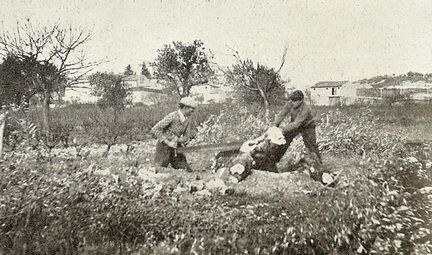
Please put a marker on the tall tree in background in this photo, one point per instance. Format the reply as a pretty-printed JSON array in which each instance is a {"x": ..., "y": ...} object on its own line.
[
  {"x": 111, "y": 90},
  {"x": 145, "y": 71},
  {"x": 50, "y": 58},
  {"x": 181, "y": 66},
  {"x": 256, "y": 82},
  {"x": 128, "y": 70},
  {"x": 113, "y": 96},
  {"x": 14, "y": 89}
]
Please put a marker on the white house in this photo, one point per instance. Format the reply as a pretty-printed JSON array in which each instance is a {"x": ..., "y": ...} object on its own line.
[
  {"x": 326, "y": 92},
  {"x": 149, "y": 91},
  {"x": 144, "y": 90},
  {"x": 337, "y": 93},
  {"x": 349, "y": 93},
  {"x": 211, "y": 93}
]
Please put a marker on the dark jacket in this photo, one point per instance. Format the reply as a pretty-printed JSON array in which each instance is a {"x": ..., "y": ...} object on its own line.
[{"x": 301, "y": 117}]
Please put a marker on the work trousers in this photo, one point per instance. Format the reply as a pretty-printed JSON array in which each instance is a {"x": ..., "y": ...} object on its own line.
[{"x": 166, "y": 155}]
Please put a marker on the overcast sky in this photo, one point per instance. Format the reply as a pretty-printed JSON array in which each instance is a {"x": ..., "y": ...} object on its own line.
[{"x": 326, "y": 40}]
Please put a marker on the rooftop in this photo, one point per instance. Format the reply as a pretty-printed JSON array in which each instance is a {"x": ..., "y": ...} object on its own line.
[{"x": 328, "y": 84}]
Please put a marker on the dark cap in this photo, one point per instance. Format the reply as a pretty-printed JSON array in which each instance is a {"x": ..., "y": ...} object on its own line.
[{"x": 297, "y": 95}]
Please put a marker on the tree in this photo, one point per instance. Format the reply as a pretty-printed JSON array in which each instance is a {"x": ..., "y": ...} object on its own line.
[
  {"x": 16, "y": 83},
  {"x": 114, "y": 96},
  {"x": 145, "y": 71},
  {"x": 181, "y": 66},
  {"x": 111, "y": 90},
  {"x": 49, "y": 59},
  {"x": 128, "y": 70},
  {"x": 256, "y": 82},
  {"x": 13, "y": 86}
]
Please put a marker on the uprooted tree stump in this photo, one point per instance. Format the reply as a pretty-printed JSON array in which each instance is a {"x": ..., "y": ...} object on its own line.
[
  {"x": 253, "y": 154},
  {"x": 258, "y": 154}
]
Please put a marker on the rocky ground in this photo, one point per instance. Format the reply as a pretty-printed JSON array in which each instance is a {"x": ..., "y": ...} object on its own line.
[{"x": 203, "y": 181}]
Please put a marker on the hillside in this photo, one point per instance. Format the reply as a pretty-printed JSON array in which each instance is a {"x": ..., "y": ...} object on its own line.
[{"x": 388, "y": 81}]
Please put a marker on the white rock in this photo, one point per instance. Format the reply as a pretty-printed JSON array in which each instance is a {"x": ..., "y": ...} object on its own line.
[
  {"x": 203, "y": 192},
  {"x": 425, "y": 190},
  {"x": 196, "y": 186},
  {"x": 179, "y": 190},
  {"x": 327, "y": 178},
  {"x": 233, "y": 179},
  {"x": 216, "y": 184},
  {"x": 412, "y": 159},
  {"x": 102, "y": 172},
  {"x": 237, "y": 169}
]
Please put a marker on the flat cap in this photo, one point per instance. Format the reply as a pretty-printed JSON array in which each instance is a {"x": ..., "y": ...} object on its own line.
[
  {"x": 188, "y": 101},
  {"x": 297, "y": 95}
]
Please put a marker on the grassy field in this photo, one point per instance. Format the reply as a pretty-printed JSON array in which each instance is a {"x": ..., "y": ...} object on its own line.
[{"x": 75, "y": 201}]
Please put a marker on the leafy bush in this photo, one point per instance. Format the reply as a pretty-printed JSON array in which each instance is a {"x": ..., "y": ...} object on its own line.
[
  {"x": 235, "y": 122},
  {"x": 345, "y": 134}
]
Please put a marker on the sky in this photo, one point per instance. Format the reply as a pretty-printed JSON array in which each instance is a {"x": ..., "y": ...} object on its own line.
[{"x": 325, "y": 40}]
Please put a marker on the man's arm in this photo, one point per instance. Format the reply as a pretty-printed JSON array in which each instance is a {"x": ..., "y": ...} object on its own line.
[
  {"x": 303, "y": 117},
  {"x": 158, "y": 130},
  {"x": 189, "y": 134},
  {"x": 282, "y": 114}
]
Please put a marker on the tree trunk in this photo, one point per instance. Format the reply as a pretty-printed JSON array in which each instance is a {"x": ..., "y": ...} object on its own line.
[
  {"x": 105, "y": 153},
  {"x": 266, "y": 105},
  {"x": 186, "y": 89},
  {"x": 2, "y": 127},
  {"x": 259, "y": 158},
  {"x": 46, "y": 116}
]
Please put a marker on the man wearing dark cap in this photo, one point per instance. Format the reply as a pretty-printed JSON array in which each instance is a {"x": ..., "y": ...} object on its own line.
[
  {"x": 301, "y": 122},
  {"x": 173, "y": 131}
]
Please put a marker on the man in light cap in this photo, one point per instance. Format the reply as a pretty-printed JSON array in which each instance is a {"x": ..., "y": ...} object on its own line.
[
  {"x": 173, "y": 131},
  {"x": 301, "y": 122}
]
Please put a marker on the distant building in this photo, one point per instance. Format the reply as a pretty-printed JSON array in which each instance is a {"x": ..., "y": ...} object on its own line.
[
  {"x": 149, "y": 91},
  {"x": 211, "y": 93},
  {"x": 348, "y": 93},
  {"x": 144, "y": 90},
  {"x": 420, "y": 91},
  {"x": 326, "y": 92}
]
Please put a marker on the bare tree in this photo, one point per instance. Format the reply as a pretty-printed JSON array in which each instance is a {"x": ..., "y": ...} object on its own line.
[
  {"x": 53, "y": 56},
  {"x": 258, "y": 80}
]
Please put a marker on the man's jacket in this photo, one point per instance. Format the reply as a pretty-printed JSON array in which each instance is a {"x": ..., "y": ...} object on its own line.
[
  {"x": 301, "y": 117},
  {"x": 172, "y": 127}
]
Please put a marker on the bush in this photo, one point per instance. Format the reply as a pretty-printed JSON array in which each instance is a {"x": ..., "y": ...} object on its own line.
[
  {"x": 236, "y": 122},
  {"x": 345, "y": 134}
]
